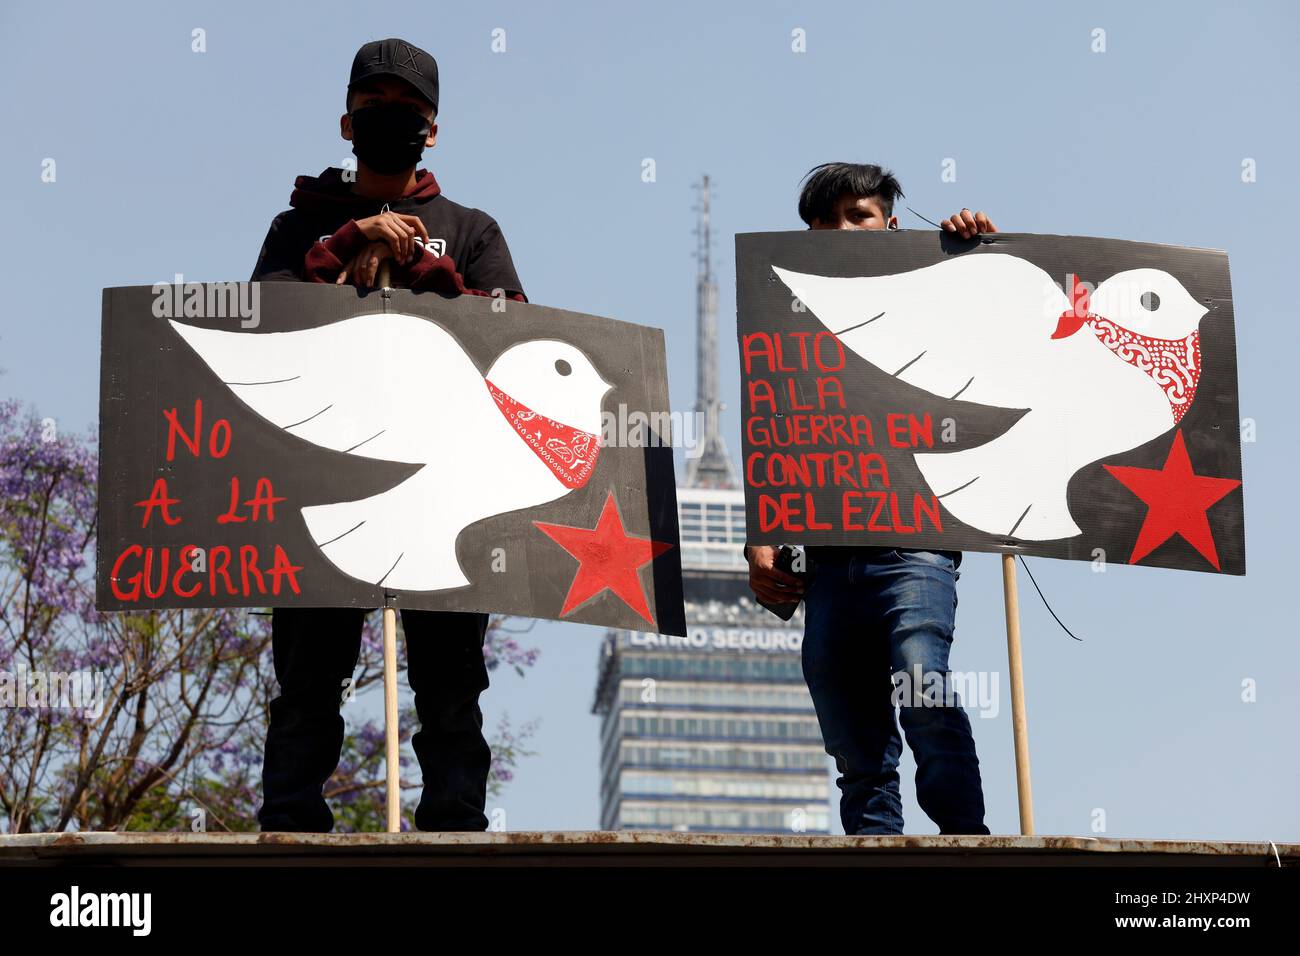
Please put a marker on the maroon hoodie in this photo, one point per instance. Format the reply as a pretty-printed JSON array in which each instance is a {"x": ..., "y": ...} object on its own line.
[{"x": 318, "y": 236}]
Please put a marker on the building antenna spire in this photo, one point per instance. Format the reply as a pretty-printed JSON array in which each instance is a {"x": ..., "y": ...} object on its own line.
[{"x": 709, "y": 464}]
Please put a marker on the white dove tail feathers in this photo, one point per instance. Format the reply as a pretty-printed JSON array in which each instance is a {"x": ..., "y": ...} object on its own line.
[
  {"x": 404, "y": 539},
  {"x": 359, "y": 539},
  {"x": 990, "y": 488},
  {"x": 372, "y": 539}
]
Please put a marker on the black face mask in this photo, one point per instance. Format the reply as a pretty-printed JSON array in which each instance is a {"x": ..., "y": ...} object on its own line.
[{"x": 389, "y": 138}]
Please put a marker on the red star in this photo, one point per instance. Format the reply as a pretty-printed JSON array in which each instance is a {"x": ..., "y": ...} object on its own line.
[
  {"x": 1177, "y": 499},
  {"x": 607, "y": 558}
]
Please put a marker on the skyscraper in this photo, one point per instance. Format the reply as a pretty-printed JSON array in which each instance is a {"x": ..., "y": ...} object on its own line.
[{"x": 714, "y": 731}]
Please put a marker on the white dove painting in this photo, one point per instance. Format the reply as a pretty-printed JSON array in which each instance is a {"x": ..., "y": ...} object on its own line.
[
  {"x": 400, "y": 388},
  {"x": 1096, "y": 374}
]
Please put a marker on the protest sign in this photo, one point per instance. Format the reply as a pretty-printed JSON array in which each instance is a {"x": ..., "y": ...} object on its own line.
[
  {"x": 1053, "y": 395},
  {"x": 269, "y": 444}
]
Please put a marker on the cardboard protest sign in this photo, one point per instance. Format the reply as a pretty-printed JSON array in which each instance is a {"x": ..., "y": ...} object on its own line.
[
  {"x": 290, "y": 443},
  {"x": 1053, "y": 395}
]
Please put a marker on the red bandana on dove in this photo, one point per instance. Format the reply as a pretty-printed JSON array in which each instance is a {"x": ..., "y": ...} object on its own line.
[
  {"x": 569, "y": 452},
  {"x": 1173, "y": 364}
]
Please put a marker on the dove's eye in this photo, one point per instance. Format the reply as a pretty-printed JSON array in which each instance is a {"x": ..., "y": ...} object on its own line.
[
  {"x": 563, "y": 367},
  {"x": 1150, "y": 301}
]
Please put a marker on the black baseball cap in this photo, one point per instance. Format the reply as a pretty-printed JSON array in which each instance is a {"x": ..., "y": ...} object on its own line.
[{"x": 394, "y": 57}]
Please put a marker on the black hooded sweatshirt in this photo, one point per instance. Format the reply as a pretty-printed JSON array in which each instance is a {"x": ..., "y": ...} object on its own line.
[{"x": 318, "y": 236}]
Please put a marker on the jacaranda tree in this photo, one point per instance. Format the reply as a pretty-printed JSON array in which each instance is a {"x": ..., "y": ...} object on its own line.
[{"x": 154, "y": 720}]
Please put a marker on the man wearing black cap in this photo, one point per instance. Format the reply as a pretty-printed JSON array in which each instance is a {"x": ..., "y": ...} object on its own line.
[{"x": 339, "y": 229}]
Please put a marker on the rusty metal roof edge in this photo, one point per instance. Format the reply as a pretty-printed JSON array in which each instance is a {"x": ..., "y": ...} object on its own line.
[{"x": 39, "y": 844}]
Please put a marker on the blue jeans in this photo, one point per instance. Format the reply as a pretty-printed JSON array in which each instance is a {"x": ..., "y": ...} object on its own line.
[{"x": 872, "y": 614}]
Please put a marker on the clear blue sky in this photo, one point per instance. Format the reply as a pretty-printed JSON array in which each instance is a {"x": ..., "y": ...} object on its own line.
[{"x": 172, "y": 161}]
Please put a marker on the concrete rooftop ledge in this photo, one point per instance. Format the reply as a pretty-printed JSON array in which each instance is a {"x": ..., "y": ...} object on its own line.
[{"x": 620, "y": 848}]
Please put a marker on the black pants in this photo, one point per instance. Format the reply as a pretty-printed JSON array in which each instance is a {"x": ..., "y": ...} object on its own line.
[{"x": 315, "y": 650}]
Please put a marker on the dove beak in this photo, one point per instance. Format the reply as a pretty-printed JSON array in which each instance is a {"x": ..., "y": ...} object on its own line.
[
  {"x": 1073, "y": 318},
  {"x": 1068, "y": 324}
]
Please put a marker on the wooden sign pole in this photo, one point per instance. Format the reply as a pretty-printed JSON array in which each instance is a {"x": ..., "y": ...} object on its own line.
[
  {"x": 394, "y": 785},
  {"x": 1019, "y": 720},
  {"x": 392, "y": 749}
]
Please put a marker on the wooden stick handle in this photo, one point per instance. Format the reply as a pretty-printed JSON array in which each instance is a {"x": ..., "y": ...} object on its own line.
[
  {"x": 1019, "y": 720},
  {"x": 394, "y": 784}
]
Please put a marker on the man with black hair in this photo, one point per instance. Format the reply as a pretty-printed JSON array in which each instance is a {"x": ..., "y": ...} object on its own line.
[
  {"x": 875, "y": 614},
  {"x": 340, "y": 229},
  {"x": 862, "y": 196}
]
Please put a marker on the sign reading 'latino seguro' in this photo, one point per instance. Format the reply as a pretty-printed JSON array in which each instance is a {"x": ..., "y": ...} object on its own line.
[
  {"x": 1060, "y": 396},
  {"x": 337, "y": 448}
]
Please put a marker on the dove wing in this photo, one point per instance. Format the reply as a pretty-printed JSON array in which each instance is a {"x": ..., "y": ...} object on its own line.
[
  {"x": 969, "y": 327},
  {"x": 369, "y": 386}
]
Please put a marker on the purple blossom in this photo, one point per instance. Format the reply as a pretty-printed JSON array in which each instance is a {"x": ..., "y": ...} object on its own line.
[{"x": 187, "y": 692}]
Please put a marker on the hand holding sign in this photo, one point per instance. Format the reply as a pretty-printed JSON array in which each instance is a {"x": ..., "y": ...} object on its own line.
[{"x": 396, "y": 229}]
